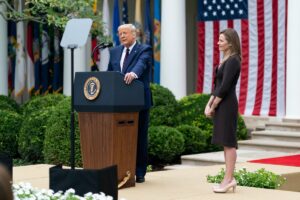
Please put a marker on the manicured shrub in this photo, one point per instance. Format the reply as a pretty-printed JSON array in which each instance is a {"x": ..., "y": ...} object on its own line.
[
  {"x": 41, "y": 102},
  {"x": 36, "y": 113},
  {"x": 165, "y": 144},
  {"x": 164, "y": 115},
  {"x": 241, "y": 129},
  {"x": 32, "y": 134},
  {"x": 162, "y": 96},
  {"x": 165, "y": 107},
  {"x": 6, "y": 103},
  {"x": 10, "y": 123},
  {"x": 194, "y": 139},
  {"x": 191, "y": 107},
  {"x": 57, "y": 136}
]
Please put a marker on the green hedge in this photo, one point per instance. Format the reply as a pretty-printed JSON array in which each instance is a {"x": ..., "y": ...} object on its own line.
[
  {"x": 32, "y": 133},
  {"x": 57, "y": 136},
  {"x": 194, "y": 139},
  {"x": 165, "y": 107},
  {"x": 6, "y": 103},
  {"x": 191, "y": 107},
  {"x": 10, "y": 123},
  {"x": 162, "y": 96},
  {"x": 165, "y": 144},
  {"x": 41, "y": 102}
]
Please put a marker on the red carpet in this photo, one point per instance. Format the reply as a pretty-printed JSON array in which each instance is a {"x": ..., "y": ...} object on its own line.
[{"x": 293, "y": 160}]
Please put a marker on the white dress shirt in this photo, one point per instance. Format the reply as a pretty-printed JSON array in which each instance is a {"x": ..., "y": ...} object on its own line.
[
  {"x": 123, "y": 57},
  {"x": 124, "y": 53}
]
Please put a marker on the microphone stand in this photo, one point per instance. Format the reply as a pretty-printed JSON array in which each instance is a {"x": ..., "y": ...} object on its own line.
[{"x": 99, "y": 46}]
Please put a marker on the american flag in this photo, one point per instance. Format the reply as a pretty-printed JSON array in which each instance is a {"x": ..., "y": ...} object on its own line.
[{"x": 261, "y": 25}]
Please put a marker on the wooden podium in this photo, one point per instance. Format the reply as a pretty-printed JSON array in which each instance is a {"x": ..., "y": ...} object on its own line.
[{"x": 108, "y": 121}]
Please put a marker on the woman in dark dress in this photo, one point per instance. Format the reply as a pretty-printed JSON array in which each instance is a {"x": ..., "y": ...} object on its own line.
[{"x": 223, "y": 105}]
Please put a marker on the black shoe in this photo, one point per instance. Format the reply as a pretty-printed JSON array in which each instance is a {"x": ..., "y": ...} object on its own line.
[{"x": 140, "y": 179}]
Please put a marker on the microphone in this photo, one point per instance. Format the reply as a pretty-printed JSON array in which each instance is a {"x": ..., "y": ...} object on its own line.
[
  {"x": 105, "y": 45},
  {"x": 102, "y": 45}
]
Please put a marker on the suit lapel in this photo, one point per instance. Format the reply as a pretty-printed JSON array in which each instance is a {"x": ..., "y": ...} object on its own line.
[
  {"x": 130, "y": 58},
  {"x": 119, "y": 56}
]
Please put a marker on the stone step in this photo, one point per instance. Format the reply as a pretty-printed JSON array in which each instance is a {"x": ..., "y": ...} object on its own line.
[
  {"x": 283, "y": 126},
  {"x": 213, "y": 158},
  {"x": 267, "y": 145},
  {"x": 275, "y": 135},
  {"x": 291, "y": 120}
]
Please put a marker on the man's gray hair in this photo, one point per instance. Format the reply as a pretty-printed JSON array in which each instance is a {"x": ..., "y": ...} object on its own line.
[{"x": 130, "y": 26}]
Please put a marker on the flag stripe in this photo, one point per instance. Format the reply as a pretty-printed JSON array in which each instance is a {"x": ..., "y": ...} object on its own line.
[
  {"x": 237, "y": 26},
  {"x": 230, "y": 23},
  {"x": 116, "y": 23},
  {"x": 30, "y": 59},
  {"x": 156, "y": 38},
  {"x": 20, "y": 68},
  {"x": 201, "y": 36},
  {"x": 216, "y": 54},
  {"x": 261, "y": 60},
  {"x": 223, "y": 25},
  {"x": 208, "y": 60},
  {"x": 253, "y": 49},
  {"x": 244, "y": 66},
  {"x": 281, "y": 60},
  {"x": 273, "y": 103},
  {"x": 267, "y": 81}
]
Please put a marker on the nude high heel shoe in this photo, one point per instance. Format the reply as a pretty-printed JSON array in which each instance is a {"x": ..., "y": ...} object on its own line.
[{"x": 226, "y": 188}]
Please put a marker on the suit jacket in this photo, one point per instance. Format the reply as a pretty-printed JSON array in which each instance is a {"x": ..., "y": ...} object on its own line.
[{"x": 139, "y": 61}]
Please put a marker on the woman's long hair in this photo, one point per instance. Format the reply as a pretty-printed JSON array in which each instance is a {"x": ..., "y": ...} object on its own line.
[{"x": 233, "y": 39}]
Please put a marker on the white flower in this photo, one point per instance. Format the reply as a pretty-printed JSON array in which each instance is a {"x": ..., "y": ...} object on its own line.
[{"x": 24, "y": 191}]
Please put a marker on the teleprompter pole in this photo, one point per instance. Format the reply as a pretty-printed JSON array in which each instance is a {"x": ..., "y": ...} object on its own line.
[{"x": 72, "y": 129}]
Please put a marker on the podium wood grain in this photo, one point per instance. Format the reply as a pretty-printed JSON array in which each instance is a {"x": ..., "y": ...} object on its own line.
[{"x": 109, "y": 139}]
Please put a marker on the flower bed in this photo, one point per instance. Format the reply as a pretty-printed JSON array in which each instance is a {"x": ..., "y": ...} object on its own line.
[{"x": 24, "y": 191}]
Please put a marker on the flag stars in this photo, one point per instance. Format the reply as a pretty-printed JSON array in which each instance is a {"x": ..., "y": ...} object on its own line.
[{"x": 223, "y": 9}]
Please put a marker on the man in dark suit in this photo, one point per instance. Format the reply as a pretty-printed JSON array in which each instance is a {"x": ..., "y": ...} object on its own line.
[{"x": 134, "y": 61}]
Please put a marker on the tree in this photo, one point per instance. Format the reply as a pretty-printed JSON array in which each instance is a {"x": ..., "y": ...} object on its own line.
[{"x": 56, "y": 13}]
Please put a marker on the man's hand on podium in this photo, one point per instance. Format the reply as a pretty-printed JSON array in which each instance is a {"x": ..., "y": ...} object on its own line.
[{"x": 129, "y": 77}]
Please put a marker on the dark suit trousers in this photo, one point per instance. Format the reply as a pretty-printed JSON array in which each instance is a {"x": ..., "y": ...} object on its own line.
[{"x": 142, "y": 145}]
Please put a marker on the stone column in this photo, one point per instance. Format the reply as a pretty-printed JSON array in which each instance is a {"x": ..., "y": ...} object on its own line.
[
  {"x": 173, "y": 47},
  {"x": 293, "y": 61}
]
